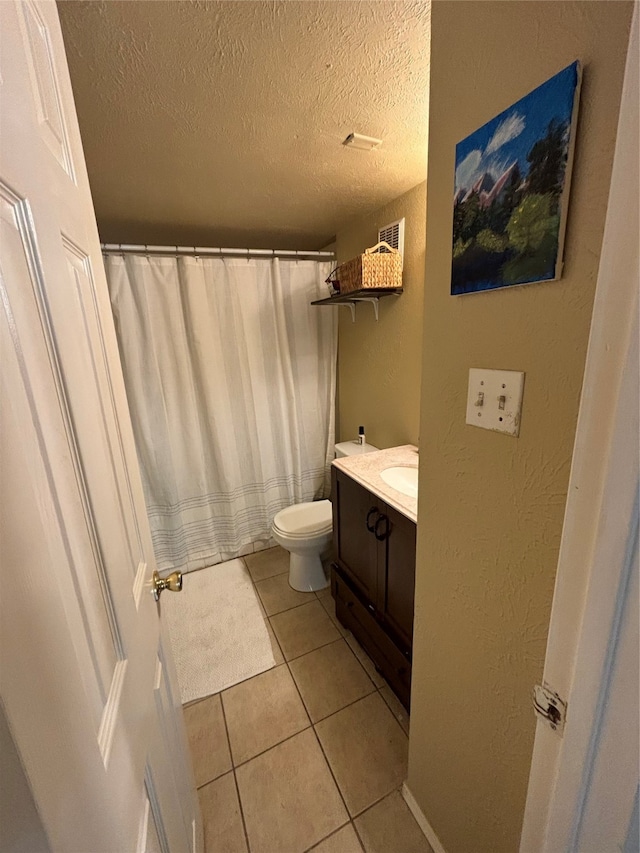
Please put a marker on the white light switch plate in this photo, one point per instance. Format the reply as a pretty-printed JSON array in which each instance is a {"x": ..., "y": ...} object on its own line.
[{"x": 494, "y": 400}]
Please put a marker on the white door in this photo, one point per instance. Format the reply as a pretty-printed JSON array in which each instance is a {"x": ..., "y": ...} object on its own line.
[
  {"x": 583, "y": 787},
  {"x": 86, "y": 678}
]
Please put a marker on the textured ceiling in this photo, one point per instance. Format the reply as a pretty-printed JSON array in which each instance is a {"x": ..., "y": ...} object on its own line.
[{"x": 220, "y": 123}]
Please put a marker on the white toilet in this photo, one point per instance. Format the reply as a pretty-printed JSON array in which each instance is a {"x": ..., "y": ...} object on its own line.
[{"x": 306, "y": 529}]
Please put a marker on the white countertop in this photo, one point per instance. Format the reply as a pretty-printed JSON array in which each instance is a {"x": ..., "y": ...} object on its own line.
[{"x": 365, "y": 469}]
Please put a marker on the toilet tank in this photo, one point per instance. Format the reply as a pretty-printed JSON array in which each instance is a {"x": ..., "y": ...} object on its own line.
[{"x": 353, "y": 448}]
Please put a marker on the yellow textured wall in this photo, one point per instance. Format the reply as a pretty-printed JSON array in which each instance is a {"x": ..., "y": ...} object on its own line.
[
  {"x": 379, "y": 364},
  {"x": 491, "y": 506}
]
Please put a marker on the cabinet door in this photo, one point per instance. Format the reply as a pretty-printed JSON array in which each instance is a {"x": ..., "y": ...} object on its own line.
[
  {"x": 354, "y": 544},
  {"x": 396, "y": 574}
]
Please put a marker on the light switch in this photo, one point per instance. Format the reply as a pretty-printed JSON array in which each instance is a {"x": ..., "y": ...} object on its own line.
[{"x": 494, "y": 400}]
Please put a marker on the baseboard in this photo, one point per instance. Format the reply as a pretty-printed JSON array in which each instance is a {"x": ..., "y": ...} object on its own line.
[{"x": 421, "y": 820}]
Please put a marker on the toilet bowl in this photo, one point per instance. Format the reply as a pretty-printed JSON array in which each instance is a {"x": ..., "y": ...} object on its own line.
[{"x": 306, "y": 530}]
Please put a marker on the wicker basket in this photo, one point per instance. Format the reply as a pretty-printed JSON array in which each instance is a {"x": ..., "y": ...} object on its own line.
[{"x": 374, "y": 269}]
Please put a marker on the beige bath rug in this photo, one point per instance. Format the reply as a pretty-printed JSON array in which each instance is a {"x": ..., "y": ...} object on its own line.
[{"x": 218, "y": 634}]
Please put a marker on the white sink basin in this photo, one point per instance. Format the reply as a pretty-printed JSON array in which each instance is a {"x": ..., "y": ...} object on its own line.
[{"x": 403, "y": 478}]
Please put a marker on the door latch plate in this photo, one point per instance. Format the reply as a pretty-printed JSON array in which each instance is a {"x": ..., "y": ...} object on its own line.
[{"x": 550, "y": 707}]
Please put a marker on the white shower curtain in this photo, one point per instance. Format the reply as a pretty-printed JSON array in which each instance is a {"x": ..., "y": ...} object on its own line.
[{"x": 230, "y": 375}]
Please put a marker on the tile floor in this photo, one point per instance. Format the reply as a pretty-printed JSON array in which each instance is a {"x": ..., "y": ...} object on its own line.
[{"x": 311, "y": 754}]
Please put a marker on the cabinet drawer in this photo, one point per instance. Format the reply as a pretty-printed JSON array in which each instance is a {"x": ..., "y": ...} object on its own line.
[{"x": 395, "y": 667}]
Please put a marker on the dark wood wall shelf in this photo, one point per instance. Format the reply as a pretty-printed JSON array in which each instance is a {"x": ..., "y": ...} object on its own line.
[{"x": 350, "y": 300}]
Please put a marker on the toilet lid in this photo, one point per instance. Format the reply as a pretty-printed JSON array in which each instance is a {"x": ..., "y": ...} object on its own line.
[{"x": 303, "y": 519}]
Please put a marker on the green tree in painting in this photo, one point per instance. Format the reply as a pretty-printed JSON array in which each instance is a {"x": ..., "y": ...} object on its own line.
[
  {"x": 513, "y": 189},
  {"x": 530, "y": 222},
  {"x": 548, "y": 158},
  {"x": 458, "y": 220},
  {"x": 490, "y": 241},
  {"x": 473, "y": 217},
  {"x": 500, "y": 211}
]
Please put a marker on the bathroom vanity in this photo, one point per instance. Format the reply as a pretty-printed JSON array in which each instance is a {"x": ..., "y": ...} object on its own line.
[{"x": 374, "y": 553}]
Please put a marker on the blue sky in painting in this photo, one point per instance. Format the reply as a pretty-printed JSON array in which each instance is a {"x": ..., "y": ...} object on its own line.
[{"x": 511, "y": 135}]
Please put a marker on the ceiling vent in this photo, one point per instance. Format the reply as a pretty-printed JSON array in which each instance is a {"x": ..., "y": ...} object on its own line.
[
  {"x": 364, "y": 143},
  {"x": 393, "y": 234}
]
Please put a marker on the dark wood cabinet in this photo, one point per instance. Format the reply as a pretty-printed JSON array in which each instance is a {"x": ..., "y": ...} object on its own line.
[
  {"x": 373, "y": 577},
  {"x": 397, "y": 576}
]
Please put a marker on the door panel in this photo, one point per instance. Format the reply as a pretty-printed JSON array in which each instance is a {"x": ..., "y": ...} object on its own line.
[
  {"x": 93, "y": 630},
  {"x": 46, "y": 95},
  {"x": 397, "y": 565},
  {"x": 355, "y": 545},
  {"x": 84, "y": 364},
  {"x": 85, "y": 678},
  {"x": 33, "y": 651},
  {"x": 607, "y": 810},
  {"x": 149, "y": 837}
]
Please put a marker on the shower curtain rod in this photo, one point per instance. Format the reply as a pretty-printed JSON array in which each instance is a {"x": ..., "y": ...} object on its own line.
[{"x": 200, "y": 251}]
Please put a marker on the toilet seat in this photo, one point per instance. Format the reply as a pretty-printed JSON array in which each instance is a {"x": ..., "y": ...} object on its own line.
[{"x": 301, "y": 521}]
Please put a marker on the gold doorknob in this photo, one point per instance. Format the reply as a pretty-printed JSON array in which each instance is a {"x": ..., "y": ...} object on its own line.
[{"x": 173, "y": 582}]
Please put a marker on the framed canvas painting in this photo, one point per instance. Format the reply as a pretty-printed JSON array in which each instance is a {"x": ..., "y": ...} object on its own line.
[{"x": 512, "y": 189}]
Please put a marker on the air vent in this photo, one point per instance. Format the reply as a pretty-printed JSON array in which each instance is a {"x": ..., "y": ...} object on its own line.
[
  {"x": 364, "y": 143},
  {"x": 393, "y": 234}
]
